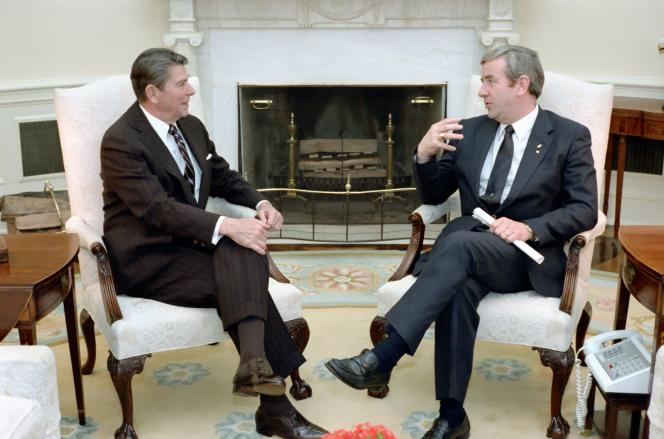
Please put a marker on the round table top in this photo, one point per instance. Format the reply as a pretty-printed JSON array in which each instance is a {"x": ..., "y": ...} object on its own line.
[
  {"x": 34, "y": 257},
  {"x": 645, "y": 244}
]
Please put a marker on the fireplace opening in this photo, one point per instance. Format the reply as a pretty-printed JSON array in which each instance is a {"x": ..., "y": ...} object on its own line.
[
  {"x": 337, "y": 156},
  {"x": 339, "y": 131}
]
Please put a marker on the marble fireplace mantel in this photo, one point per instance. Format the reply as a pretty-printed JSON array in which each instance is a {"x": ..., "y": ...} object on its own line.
[{"x": 331, "y": 42}]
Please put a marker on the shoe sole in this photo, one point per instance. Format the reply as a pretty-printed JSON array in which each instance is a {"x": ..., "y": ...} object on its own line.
[{"x": 260, "y": 389}]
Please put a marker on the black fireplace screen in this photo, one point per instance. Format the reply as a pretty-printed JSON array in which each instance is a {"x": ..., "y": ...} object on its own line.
[{"x": 312, "y": 141}]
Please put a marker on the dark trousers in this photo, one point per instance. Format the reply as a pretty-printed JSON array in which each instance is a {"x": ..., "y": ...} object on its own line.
[
  {"x": 460, "y": 271},
  {"x": 232, "y": 279}
]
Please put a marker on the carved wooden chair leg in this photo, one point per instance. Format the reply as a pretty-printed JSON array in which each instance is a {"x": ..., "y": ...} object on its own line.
[
  {"x": 122, "y": 371},
  {"x": 377, "y": 333},
  {"x": 561, "y": 364},
  {"x": 299, "y": 330},
  {"x": 88, "y": 329}
]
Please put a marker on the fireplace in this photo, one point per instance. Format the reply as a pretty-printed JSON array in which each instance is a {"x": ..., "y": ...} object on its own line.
[
  {"x": 333, "y": 53},
  {"x": 336, "y": 160},
  {"x": 320, "y": 137}
]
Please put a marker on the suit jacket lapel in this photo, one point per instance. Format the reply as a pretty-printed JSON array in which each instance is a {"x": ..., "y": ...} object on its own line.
[
  {"x": 162, "y": 155},
  {"x": 485, "y": 135},
  {"x": 538, "y": 146}
]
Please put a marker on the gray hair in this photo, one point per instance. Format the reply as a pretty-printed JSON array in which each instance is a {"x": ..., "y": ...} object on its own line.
[
  {"x": 519, "y": 61},
  {"x": 151, "y": 67}
]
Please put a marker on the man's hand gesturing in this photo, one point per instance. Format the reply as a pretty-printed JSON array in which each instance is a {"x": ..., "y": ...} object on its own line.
[{"x": 437, "y": 137}]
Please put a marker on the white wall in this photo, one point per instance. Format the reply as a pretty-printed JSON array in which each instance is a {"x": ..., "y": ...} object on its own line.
[
  {"x": 76, "y": 38},
  {"x": 59, "y": 43},
  {"x": 596, "y": 39}
]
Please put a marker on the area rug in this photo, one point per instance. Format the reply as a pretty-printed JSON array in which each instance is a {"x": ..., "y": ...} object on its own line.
[{"x": 187, "y": 393}]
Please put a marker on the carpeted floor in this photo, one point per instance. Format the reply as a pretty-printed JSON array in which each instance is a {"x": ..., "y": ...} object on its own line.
[{"x": 187, "y": 393}]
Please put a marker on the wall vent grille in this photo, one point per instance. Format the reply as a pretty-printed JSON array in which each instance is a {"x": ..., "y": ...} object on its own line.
[{"x": 40, "y": 148}]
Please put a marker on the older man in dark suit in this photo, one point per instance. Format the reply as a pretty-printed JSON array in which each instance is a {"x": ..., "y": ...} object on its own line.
[
  {"x": 159, "y": 167},
  {"x": 531, "y": 169}
]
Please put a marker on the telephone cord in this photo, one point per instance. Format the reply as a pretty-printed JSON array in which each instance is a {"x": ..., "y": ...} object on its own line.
[{"x": 582, "y": 392}]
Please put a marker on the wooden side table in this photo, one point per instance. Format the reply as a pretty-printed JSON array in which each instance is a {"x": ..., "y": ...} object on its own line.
[
  {"x": 630, "y": 117},
  {"x": 38, "y": 276},
  {"x": 642, "y": 276}
]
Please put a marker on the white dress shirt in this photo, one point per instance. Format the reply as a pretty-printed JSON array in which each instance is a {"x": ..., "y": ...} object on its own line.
[{"x": 522, "y": 130}]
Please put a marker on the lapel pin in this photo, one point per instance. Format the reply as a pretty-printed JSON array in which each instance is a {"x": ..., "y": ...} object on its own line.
[
  {"x": 538, "y": 148},
  {"x": 209, "y": 156}
]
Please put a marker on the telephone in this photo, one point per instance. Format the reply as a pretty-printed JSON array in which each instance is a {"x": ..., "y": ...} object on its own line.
[{"x": 622, "y": 367}]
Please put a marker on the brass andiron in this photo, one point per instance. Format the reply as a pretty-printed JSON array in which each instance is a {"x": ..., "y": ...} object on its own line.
[
  {"x": 389, "y": 193},
  {"x": 389, "y": 143},
  {"x": 291, "y": 157}
]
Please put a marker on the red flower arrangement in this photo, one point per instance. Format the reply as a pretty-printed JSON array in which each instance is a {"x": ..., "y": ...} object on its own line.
[{"x": 362, "y": 431}]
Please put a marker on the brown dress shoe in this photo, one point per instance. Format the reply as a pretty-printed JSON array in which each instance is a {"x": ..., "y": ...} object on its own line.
[
  {"x": 293, "y": 426},
  {"x": 256, "y": 377}
]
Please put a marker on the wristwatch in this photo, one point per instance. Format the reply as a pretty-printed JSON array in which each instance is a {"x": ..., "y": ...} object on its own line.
[{"x": 533, "y": 235}]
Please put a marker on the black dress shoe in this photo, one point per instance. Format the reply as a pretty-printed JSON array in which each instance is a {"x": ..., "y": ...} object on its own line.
[
  {"x": 359, "y": 372},
  {"x": 293, "y": 426},
  {"x": 441, "y": 430},
  {"x": 256, "y": 377}
]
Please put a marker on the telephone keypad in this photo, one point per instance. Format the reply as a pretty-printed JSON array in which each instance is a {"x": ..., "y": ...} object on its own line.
[{"x": 621, "y": 360}]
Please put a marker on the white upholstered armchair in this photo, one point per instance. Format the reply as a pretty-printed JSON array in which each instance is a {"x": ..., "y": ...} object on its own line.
[
  {"x": 136, "y": 327},
  {"x": 29, "y": 404},
  {"x": 656, "y": 407},
  {"x": 545, "y": 323}
]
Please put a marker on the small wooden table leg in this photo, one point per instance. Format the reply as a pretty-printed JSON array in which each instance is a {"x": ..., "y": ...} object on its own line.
[
  {"x": 611, "y": 421},
  {"x": 74, "y": 351},
  {"x": 620, "y": 166},
  {"x": 608, "y": 164}
]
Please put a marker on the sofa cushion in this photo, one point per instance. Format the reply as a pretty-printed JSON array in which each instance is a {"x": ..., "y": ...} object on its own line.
[
  {"x": 152, "y": 326},
  {"x": 520, "y": 318}
]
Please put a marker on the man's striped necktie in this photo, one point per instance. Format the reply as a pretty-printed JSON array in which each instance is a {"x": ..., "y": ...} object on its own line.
[{"x": 188, "y": 166}]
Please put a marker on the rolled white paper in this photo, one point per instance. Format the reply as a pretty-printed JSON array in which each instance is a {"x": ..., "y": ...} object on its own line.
[{"x": 487, "y": 220}]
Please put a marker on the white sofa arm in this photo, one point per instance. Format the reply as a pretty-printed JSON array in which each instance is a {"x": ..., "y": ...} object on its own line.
[
  {"x": 431, "y": 213},
  {"x": 87, "y": 236},
  {"x": 597, "y": 230},
  {"x": 224, "y": 208},
  {"x": 28, "y": 373}
]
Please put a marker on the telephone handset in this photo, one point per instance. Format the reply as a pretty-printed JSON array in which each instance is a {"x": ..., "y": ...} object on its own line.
[{"x": 622, "y": 367}]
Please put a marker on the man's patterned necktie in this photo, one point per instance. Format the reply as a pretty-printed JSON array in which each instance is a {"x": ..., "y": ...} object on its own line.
[{"x": 188, "y": 166}]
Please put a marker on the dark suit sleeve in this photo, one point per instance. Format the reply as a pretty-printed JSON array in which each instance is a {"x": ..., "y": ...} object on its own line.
[
  {"x": 436, "y": 179},
  {"x": 139, "y": 185},
  {"x": 578, "y": 206}
]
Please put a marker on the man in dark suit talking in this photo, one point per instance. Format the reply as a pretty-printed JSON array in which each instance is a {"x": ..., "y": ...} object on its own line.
[
  {"x": 529, "y": 168},
  {"x": 159, "y": 167}
]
